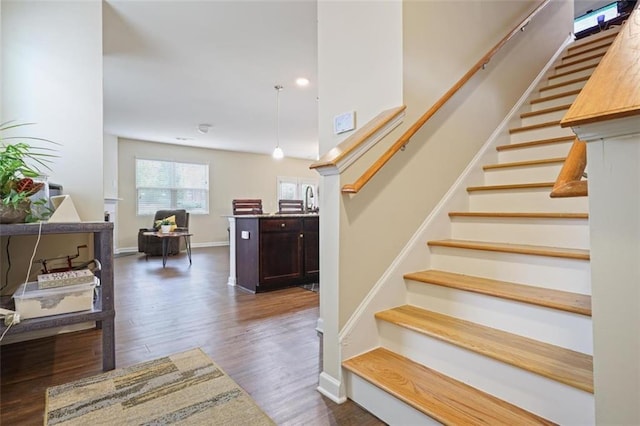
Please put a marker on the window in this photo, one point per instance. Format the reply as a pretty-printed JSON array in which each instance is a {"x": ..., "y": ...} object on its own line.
[
  {"x": 293, "y": 188},
  {"x": 171, "y": 185}
]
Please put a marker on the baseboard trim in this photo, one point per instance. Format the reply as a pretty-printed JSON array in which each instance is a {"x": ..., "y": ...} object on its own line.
[
  {"x": 123, "y": 250},
  {"x": 331, "y": 388}
]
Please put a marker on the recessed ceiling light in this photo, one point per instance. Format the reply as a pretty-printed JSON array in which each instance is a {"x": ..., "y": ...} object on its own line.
[{"x": 301, "y": 81}]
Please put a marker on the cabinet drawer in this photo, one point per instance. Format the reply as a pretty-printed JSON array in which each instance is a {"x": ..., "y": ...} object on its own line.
[{"x": 274, "y": 225}]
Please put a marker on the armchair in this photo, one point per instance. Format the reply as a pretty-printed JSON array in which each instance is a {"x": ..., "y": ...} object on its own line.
[{"x": 152, "y": 246}]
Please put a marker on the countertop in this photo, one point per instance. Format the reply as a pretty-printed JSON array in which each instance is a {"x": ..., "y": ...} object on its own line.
[{"x": 274, "y": 215}]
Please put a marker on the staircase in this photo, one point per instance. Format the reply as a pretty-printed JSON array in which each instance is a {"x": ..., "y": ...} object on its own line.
[{"x": 498, "y": 329}]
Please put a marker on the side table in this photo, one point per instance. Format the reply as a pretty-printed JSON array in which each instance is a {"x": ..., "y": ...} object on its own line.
[{"x": 166, "y": 236}]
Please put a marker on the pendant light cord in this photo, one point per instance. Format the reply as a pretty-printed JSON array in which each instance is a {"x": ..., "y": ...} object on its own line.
[{"x": 278, "y": 88}]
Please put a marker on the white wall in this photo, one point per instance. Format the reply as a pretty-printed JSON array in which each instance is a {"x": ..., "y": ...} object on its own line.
[
  {"x": 359, "y": 69},
  {"x": 232, "y": 175},
  {"x": 52, "y": 76},
  {"x": 110, "y": 157},
  {"x": 51, "y": 58}
]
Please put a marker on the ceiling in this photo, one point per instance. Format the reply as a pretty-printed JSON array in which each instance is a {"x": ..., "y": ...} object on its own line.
[{"x": 171, "y": 65}]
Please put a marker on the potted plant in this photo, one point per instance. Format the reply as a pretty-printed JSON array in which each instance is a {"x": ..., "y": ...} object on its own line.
[
  {"x": 165, "y": 225},
  {"x": 20, "y": 163}
]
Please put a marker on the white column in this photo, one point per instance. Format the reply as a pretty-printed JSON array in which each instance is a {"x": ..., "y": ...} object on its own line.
[
  {"x": 232, "y": 251},
  {"x": 613, "y": 155},
  {"x": 330, "y": 380}
]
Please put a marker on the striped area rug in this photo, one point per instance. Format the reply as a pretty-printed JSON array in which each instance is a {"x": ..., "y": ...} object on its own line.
[{"x": 187, "y": 389}]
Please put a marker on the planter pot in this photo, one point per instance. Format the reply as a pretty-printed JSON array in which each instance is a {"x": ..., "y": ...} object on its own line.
[
  {"x": 165, "y": 229},
  {"x": 11, "y": 214}
]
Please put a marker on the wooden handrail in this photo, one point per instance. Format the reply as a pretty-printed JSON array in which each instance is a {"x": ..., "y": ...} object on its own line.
[
  {"x": 347, "y": 148},
  {"x": 404, "y": 139},
  {"x": 569, "y": 183}
]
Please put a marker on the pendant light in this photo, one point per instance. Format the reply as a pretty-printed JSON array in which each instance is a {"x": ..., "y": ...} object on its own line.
[{"x": 277, "y": 152}]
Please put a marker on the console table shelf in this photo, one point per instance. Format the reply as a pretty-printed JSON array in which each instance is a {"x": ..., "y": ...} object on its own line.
[{"x": 103, "y": 312}]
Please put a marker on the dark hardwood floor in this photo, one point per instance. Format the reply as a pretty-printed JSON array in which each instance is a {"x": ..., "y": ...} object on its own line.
[{"x": 266, "y": 342}]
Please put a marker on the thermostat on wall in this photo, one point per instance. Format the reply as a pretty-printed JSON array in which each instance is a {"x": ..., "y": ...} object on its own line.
[{"x": 344, "y": 122}]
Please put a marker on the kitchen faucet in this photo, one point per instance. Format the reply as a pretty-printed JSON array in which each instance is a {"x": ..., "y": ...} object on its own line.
[{"x": 308, "y": 195}]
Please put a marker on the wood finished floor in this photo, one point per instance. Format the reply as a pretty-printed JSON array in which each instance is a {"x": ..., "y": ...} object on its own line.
[{"x": 267, "y": 342}]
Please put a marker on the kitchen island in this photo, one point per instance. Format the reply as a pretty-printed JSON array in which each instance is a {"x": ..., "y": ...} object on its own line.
[{"x": 272, "y": 251}]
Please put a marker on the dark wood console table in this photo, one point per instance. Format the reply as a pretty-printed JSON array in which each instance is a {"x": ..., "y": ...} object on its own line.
[{"x": 103, "y": 312}]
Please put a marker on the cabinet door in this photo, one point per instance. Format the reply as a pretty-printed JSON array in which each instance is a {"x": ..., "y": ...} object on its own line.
[
  {"x": 311, "y": 249},
  {"x": 280, "y": 252}
]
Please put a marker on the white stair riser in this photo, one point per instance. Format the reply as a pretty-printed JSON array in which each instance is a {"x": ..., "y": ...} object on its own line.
[
  {"x": 562, "y": 89},
  {"x": 579, "y": 55},
  {"x": 564, "y": 100},
  {"x": 579, "y": 64},
  {"x": 522, "y": 174},
  {"x": 565, "y": 329},
  {"x": 573, "y": 75},
  {"x": 536, "y": 152},
  {"x": 556, "y": 273},
  {"x": 569, "y": 233},
  {"x": 527, "y": 390},
  {"x": 530, "y": 200},
  {"x": 381, "y": 404},
  {"x": 544, "y": 118},
  {"x": 554, "y": 131}
]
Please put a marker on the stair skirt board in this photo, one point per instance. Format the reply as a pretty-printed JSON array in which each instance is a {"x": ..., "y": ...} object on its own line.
[
  {"x": 559, "y": 274},
  {"x": 571, "y": 233},
  {"x": 388, "y": 409},
  {"x": 527, "y": 390},
  {"x": 559, "y": 328}
]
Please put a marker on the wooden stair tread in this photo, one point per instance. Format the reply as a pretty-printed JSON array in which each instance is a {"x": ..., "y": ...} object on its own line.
[
  {"x": 550, "y": 298},
  {"x": 443, "y": 398},
  {"x": 556, "y": 96},
  {"x": 535, "y": 126},
  {"x": 563, "y": 139},
  {"x": 577, "y": 61},
  {"x": 522, "y": 215},
  {"x": 575, "y": 70},
  {"x": 534, "y": 185},
  {"x": 563, "y": 365},
  {"x": 524, "y": 163},
  {"x": 578, "y": 45},
  {"x": 587, "y": 50},
  {"x": 545, "y": 111},
  {"x": 527, "y": 249},
  {"x": 564, "y": 83}
]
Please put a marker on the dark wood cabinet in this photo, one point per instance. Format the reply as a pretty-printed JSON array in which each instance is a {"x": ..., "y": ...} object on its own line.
[{"x": 276, "y": 251}]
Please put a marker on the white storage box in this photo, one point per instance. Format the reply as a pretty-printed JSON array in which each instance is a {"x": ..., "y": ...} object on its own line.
[{"x": 32, "y": 302}]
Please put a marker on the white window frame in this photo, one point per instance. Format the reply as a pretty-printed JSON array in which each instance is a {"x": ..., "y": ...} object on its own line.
[
  {"x": 173, "y": 190},
  {"x": 301, "y": 184}
]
